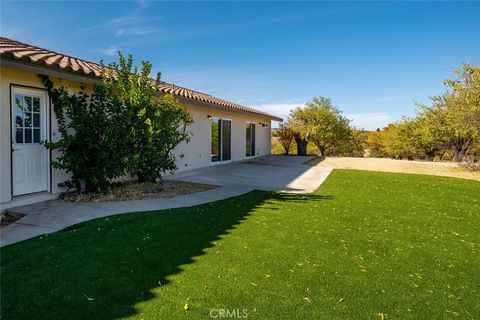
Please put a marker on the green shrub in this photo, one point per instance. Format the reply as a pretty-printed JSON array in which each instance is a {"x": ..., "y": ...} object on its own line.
[
  {"x": 93, "y": 140},
  {"x": 123, "y": 127},
  {"x": 158, "y": 123}
]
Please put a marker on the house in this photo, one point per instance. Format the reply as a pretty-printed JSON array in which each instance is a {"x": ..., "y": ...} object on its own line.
[{"x": 222, "y": 131}]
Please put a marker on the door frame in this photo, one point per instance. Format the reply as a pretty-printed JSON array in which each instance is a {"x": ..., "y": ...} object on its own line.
[
  {"x": 220, "y": 162},
  {"x": 48, "y": 130},
  {"x": 254, "y": 140}
]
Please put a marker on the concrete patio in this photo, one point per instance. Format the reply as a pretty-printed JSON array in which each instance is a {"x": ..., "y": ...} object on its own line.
[{"x": 271, "y": 173}]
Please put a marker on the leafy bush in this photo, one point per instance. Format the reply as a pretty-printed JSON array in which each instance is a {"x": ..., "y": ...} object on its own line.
[
  {"x": 122, "y": 127},
  {"x": 94, "y": 135},
  {"x": 158, "y": 124}
]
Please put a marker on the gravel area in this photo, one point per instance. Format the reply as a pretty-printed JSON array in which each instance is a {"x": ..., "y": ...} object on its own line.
[
  {"x": 142, "y": 191},
  {"x": 448, "y": 169}
]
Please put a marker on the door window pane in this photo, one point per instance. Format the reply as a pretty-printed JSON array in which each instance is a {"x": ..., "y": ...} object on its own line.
[
  {"x": 226, "y": 139},
  {"x": 216, "y": 139},
  {"x": 19, "y": 111},
  {"x": 19, "y": 135},
  {"x": 28, "y": 119},
  {"x": 28, "y": 135},
  {"x": 250, "y": 140},
  {"x": 28, "y": 104},
  {"x": 18, "y": 121},
  {"x": 252, "y": 128},
  {"x": 19, "y": 103},
  {"x": 36, "y": 120},
  {"x": 36, "y": 104},
  {"x": 248, "y": 136},
  {"x": 36, "y": 135}
]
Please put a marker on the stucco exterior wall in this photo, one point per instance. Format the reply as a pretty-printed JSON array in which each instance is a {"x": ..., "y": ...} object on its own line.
[{"x": 196, "y": 153}]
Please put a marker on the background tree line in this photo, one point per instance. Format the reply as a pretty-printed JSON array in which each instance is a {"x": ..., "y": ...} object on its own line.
[{"x": 446, "y": 129}]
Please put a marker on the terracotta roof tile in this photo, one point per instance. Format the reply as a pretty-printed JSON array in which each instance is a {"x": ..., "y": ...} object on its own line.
[{"x": 49, "y": 58}]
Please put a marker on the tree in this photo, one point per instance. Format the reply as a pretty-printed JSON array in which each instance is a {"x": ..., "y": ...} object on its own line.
[
  {"x": 285, "y": 135},
  {"x": 354, "y": 146},
  {"x": 393, "y": 141},
  {"x": 374, "y": 144},
  {"x": 451, "y": 124},
  {"x": 94, "y": 135},
  {"x": 458, "y": 110},
  {"x": 427, "y": 134},
  {"x": 123, "y": 126},
  {"x": 301, "y": 137},
  {"x": 323, "y": 124},
  {"x": 158, "y": 123}
]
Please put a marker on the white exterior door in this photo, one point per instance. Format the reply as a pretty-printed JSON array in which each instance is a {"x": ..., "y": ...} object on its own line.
[{"x": 29, "y": 129}]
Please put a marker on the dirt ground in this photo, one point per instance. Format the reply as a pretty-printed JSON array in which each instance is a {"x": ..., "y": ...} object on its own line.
[
  {"x": 141, "y": 191},
  {"x": 447, "y": 169}
]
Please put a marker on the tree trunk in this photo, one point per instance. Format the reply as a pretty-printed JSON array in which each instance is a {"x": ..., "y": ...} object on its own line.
[
  {"x": 321, "y": 151},
  {"x": 430, "y": 154},
  {"x": 458, "y": 155},
  {"x": 301, "y": 146},
  {"x": 286, "y": 149},
  {"x": 459, "y": 151},
  {"x": 460, "y": 148},
  {"x": 442, "y": 154}
]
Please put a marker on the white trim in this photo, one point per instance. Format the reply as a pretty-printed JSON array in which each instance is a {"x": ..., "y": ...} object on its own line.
[
  {"x": 215, "y": 163},
  {"x": 27, "y": 199},
  {"x": 34, "y": 92},
  {"x": 254, "y": 141},
  {"x": 219, "y": 163}
]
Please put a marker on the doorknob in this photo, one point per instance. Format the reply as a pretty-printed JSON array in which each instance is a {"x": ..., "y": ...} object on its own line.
[{"x": 15, "y": 149}]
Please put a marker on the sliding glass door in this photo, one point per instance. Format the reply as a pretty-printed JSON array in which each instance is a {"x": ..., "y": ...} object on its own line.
[
  {"x": 221, "y": 139},
  {"x": 250, "y": 139}
]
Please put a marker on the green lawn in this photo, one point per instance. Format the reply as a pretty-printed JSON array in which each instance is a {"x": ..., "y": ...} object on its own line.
[{"x": 364, "y": 244}]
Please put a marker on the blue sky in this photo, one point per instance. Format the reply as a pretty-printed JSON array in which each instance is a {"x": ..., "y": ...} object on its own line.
[{"x": 374, "y": 59}]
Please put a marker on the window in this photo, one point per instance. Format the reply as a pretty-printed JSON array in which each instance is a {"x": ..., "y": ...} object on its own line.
[
  {"x": 27, "y": 119},
  {"x": 250, "y": 139},
  {"x": 221, "y": 139}
]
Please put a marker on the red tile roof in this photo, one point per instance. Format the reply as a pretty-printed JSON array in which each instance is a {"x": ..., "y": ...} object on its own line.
[{"x": 36, "y": 55}]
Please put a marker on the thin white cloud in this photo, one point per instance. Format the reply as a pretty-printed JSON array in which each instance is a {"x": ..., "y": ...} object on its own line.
[
  {"x": 134, "y": 25},
  {"x": 141, "y": 4},
  {"x": 110, "y": 51},
  {"x": 179, "y": 34},
  {"x": 369, "y": 121},
  {"x": 135, "y": 31}
]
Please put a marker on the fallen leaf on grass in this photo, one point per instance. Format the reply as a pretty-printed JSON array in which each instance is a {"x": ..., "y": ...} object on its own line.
[
  {"x": 88, "y": 298},
  {"x": 382, "y": 316}
]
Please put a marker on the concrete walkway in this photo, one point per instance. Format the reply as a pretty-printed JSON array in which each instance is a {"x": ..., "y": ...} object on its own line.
[{"x": 272, "y": 173}]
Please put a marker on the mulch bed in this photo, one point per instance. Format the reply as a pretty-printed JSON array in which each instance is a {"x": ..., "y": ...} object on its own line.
[
  {"x": 9, "y": 218},
  {"x": 141, "y": 191}
]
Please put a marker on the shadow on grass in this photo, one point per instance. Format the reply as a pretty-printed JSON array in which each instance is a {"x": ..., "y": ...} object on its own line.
[{"x": 101, "y": 269}]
